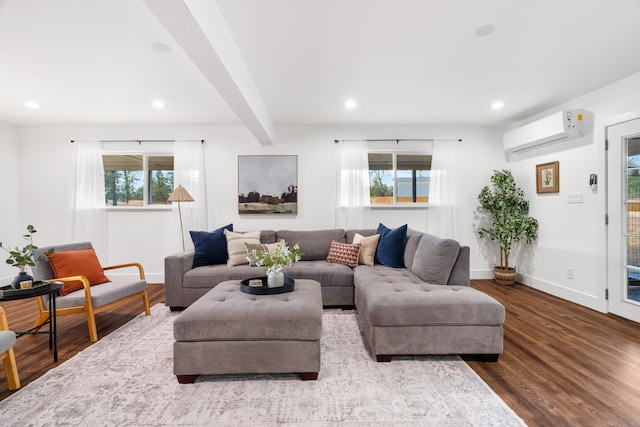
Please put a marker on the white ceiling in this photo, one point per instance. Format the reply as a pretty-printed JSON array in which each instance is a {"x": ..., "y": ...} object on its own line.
[{"x": 404, "y": 61}]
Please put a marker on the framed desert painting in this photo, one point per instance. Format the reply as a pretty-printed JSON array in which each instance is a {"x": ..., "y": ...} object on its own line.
[
  {"x": 268, "y": 185},
  {"x": 548, "y": 177}
]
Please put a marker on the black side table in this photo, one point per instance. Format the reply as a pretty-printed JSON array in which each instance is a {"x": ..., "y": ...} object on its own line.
[{"x": 52, "y": 290}]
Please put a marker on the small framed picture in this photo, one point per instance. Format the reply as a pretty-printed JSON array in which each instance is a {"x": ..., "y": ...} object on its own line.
[{"x": 548, "y": 177}]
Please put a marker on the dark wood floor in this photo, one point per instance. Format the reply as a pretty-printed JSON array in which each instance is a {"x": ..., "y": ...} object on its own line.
[{"x": 563, "y": 364}]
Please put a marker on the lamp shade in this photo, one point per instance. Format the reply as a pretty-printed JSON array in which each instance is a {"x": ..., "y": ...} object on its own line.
[{"x": 180, "y": 195}]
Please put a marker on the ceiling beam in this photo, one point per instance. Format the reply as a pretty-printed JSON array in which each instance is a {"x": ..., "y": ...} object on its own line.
[{"x": 199, "y": 28}]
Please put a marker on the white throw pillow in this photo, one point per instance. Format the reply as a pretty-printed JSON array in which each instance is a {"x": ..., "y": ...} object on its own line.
[
  {"x": 236, "y": 248},
  {"x": 368, "y": 247}
]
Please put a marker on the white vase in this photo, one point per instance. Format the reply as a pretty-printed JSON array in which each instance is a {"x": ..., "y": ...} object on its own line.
[{"x": 275, "y": 279}]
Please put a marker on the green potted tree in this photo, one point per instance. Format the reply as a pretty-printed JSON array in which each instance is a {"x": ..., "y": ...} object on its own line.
[{"x": 505, "y": 208}]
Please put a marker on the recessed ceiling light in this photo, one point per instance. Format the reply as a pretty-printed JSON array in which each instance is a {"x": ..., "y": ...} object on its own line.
[
  {"x": 485, "y": 30},
  {"x": 32, "y": 104},
  {"x": 350, "y": 104},
  {"x": 497, "y": 105},
  {"x": 158, "y": 104},
  {"x": 161, "y": 48}
]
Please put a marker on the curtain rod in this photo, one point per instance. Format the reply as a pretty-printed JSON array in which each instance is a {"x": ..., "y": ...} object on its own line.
[
  {"x": 139, "y": 141},
  {"x": 397, "y": 140}
]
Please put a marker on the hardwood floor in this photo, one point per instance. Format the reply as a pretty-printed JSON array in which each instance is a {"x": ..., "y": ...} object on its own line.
[{"x": 563, "y": 364}]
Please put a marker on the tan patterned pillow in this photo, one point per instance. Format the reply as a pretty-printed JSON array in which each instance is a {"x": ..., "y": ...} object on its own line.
[
  {"x": 368, "y": 247},
  {"x": 344, "y": 253},
  {"x": 236, "y": 248}
]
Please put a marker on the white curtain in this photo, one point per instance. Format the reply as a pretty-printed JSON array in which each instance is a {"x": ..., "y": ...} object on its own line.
[
  {"x": 352, "y": 202},
  {"x": 444, "y": 210},
  {"x": 89, "y": 213},
  {"x": 189, "y": 171}
]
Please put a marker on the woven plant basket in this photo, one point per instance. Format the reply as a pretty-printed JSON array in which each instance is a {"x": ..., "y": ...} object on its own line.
[{"x": 505, "y": 276}]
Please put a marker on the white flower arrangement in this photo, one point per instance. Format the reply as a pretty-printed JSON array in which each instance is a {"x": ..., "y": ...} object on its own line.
[{"x": 274, "y": 261}]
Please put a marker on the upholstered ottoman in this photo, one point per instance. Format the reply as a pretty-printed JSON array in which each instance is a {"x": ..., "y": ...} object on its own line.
[
  {"x": 227, "y": 331},
  {"x": 421, "y": 318}
]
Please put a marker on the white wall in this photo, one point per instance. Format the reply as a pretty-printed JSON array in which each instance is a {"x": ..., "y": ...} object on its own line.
[
  {"x": 574, "y": 235},
  {"x": 571, "y": 235},
  {"x": 146, "y": 236},
  {"x": 10, "y": 227}
]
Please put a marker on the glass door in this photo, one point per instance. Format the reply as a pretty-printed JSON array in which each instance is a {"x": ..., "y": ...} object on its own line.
[{"x": 623, "y": 206}]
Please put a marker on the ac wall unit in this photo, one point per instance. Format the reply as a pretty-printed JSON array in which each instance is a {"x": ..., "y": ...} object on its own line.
[{"x": 561, "y": 126}]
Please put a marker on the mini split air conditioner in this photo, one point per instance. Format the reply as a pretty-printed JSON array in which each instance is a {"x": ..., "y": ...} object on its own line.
[{"x": 561, "y": 126}]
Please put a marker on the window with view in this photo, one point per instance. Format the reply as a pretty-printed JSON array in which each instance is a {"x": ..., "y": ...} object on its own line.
[
  {"x": 399, "y": 178},
  {"x": 137, "y": 179}
]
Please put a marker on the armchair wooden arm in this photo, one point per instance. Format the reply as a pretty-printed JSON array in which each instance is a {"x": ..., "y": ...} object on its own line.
[
  {"x": 130, "y": 264},
  {"x": 4, "y": 323},
  {"x": 8, "y": 357}
]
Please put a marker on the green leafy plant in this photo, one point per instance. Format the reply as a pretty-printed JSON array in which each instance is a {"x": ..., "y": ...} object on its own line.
[
  {"x": 274, "y": 262},
  {"x": 506, "y": 208},
  {"x": 23, "y": 258}
]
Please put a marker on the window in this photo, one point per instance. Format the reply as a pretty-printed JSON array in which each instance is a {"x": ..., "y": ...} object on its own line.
[
  {"x": 398, "y": 179},
  {"x": 125, "y": 183}
]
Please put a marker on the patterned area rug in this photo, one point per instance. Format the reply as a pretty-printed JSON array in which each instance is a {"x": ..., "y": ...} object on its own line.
[{"x": 126, "y": 379}]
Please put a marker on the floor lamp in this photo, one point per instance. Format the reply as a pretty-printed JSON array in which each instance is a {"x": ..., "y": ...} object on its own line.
[{"x": 180, "y": 195}]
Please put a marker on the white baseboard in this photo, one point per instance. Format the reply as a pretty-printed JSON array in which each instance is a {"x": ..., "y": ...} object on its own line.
[
  {"x": 483, "y": 274},
  {"x": 572, "y": 295}
]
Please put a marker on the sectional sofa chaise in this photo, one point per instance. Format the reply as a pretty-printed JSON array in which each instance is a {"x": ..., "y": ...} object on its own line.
[{"x": 412, "y": 296}]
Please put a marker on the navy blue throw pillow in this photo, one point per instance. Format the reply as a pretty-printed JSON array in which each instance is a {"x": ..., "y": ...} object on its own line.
[
  {"x": 391, "y": 245},
  {"x": 210, "y": 247}
]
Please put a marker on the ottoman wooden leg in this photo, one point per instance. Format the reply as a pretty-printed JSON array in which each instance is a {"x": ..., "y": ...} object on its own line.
[
  {"x": 308, "y": 376},
  {"x": 383, "y": 357},
  {"x": 187, "y": 379}
]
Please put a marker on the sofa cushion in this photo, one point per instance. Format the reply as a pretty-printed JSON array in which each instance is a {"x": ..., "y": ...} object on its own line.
[
  {"x": 350, "y": 234},
  {"x": 434, "y": 259},
  {"x": 460, "y": 274},
  {"x": 327, "y": 273},
  {"x": 315, "y": 244},
  {"x": 413, "y": 238},
  {"x": 268, "y": 236},
  {"x": 344, "y": 253},
  {"x": 365, "y": 275},
  {"x": 236, "y": 246},
  {"x": 210, "y": 247},
  {"x": 422, "y": 304},
  {"x": 209, "y": 276},
  {"x": 390, "y": 251},
  {"x": 368, "y": 247}
]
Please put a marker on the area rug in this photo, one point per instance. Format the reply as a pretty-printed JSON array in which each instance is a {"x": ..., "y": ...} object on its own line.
[{"x": 126, "y": 379}]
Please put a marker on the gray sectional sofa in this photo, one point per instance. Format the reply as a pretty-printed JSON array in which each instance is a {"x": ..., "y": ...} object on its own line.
[{"x": 425, "y": 307}]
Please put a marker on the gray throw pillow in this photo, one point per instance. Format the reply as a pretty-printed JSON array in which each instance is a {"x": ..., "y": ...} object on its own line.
[{"x": 435, "y": 258}]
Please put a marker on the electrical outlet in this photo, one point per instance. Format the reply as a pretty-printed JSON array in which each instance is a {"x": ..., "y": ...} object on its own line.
[{"x": 570, "y": 273}]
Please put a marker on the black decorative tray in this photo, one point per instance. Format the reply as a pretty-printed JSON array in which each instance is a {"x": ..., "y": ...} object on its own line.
[
  {"x": 289, "y": 285},
  {"x": 36, "y": 289}
]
